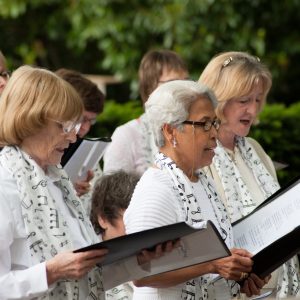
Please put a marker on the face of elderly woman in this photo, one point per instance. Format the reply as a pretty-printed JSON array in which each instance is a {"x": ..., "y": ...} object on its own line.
[
  {"x": 240, "y": 113},
  {"x": 195, "y": 144},
  {"x": 47, "y": 146}
]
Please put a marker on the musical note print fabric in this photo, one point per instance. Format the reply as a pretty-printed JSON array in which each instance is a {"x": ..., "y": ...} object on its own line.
[
  {"x": 200, "y": 287},
  {"x": 48, "y": 231}
]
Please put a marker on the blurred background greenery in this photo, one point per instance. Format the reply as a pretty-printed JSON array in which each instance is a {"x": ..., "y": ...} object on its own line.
[{"x": 110, "y": 37}]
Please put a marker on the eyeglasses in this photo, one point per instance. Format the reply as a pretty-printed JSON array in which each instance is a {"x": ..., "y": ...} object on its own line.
[
  {"x": 206, "y": 125},
  {"x": 69, "y": 126},
  {"x": 5, "y": 75},
  {"x": 91, "y": 121}
]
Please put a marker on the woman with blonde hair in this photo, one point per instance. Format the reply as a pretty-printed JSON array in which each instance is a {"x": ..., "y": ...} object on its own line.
[
  {"x": 41, "y": 219},
  {"x": 243, "y": 173}
]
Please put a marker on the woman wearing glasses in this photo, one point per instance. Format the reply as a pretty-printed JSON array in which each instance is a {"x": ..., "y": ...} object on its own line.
[
  {"x": 4, "y": 74},
  {"x": 41, "y": 219},
  {"x": 184, "y": 125},
  {"x": 244, "y": 174}
]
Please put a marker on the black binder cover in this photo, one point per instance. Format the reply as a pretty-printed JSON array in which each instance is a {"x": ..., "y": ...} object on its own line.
[
  {"x": 271, "y": 257},
  {"x": 276, "y": 254},
  {"x": 131, "y": 244}
]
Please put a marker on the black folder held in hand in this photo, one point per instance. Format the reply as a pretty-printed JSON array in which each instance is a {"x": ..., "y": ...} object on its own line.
[
  {"x": 197, "y": 246},
  {"x": 83, "y": 155},
  {"x": 272, "y": 231}
]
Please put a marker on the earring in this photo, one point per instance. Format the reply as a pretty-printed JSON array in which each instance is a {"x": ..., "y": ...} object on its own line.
[{"x": 174, "y": 143}]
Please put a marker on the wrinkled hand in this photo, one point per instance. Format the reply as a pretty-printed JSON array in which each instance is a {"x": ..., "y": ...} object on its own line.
[
  {"x": 147, "y": 255},
  {"x": 253, "y": 284},
  {"x": 69, "y": 265},
  {"x": 82, "y": 187},
  {"x": 233, "y": 266}
]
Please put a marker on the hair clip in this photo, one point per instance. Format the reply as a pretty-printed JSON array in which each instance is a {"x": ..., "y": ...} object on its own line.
[{"x": 227, "y": 61}]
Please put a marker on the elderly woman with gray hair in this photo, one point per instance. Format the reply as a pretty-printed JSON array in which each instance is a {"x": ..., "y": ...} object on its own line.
[{"x": 185, "y": 129}]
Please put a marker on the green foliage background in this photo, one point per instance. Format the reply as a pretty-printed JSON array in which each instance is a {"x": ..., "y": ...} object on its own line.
[{"x": 111, "y": 36}]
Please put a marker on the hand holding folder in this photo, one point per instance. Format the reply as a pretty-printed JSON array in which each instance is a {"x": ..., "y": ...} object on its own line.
[
  {"x": 272, "y": 231},
  {"x": 196, "y": 246}
]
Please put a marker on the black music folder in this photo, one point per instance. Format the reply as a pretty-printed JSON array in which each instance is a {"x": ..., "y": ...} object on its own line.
[
  {"x": 196, "y": 246},
  {"x": 83, "y": 155},
  {"x": 272, "y": 231}
]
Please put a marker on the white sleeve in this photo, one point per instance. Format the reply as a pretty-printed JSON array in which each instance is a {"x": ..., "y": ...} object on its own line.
[
  {"x": 153, "y": 204},
  {"x": 119, "y": 154},
  {"x": 16, "y": 281}
]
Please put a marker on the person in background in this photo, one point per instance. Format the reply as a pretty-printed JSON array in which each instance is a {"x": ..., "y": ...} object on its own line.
[
  {"x": 184, "y": 125},
  {"x": 111, "y": 197},
  {"x": 93, "y": 101},
  {"x": 41, "y": 219},
  {"x": 4, "y": 73},
  {"x": 243, "y": 173},
  {"x": 132, "y": 147}
]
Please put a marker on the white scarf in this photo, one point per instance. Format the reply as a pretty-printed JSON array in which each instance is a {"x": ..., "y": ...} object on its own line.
[
  {"x": 48, "y": 232},
  {"x": 240, "y": 202},
  {"x": 200, "y": 286}
]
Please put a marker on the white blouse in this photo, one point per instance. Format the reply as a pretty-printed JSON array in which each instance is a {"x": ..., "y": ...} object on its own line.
[
  {"x": 21, "y": 277},
  {"x": 154, "y": 204},
  {"x": 125, "y": 151}
]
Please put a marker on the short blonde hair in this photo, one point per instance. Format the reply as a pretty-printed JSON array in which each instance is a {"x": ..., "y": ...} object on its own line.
[
  {"x": 32, "y": 97},
  {"x": 232, "y": 75}
]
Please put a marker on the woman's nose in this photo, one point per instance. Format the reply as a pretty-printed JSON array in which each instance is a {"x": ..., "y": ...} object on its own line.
[
  {"x": 213, "y": 132},
  {"x": 253, "y": 107}
]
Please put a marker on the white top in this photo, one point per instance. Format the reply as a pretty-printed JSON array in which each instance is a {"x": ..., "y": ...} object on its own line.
[
  {"x": 125, "y": 151},
  {"x": 154, "y": 203},
  {"x": 20, "y": 276}
]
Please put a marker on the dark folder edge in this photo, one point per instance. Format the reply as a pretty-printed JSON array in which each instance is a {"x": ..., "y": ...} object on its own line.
[
  {"x": 273, "y": 256},
  {"x": 132, "y": 244},
  {"x": 74, "y": 146},
  {"x": 278, "y": 193}
]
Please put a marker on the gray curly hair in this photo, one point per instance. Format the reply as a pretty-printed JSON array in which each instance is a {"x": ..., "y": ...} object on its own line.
[{"x": 170, "y": 104}]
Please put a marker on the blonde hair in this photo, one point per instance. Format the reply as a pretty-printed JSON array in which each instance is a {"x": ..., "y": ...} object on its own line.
[
  {"x": 234, "y": 74},
  {"x": 32, "y": 97}
]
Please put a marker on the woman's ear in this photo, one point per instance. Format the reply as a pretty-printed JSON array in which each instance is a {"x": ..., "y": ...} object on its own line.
[
  {"x": 169, "y": 133},
  {"x": 102, "y": 222}
]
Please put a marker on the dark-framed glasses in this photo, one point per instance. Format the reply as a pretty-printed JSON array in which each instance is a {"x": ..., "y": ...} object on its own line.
[
  {"x": 206, "y": 125},
  {"x": 5, "y": 75},
  {"x": 69, "y": 126}
]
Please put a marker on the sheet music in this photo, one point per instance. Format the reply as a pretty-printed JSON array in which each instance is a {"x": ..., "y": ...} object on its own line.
[
  {"x": 270, "y": 222},
  {"x": 85, "y": 158}
]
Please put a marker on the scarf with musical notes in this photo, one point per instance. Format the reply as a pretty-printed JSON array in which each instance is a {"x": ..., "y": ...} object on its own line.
[
  {"x": 201, "y": 287},
  {"x": 47, "y": 229},
  {"x": 240, "y": 202}
]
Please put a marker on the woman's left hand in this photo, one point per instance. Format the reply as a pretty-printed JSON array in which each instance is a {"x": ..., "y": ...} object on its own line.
[
  {"x": 147, "y": 255},
  {"x": 82, "y": 187},
  {"x": 253, "y": 284}
]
